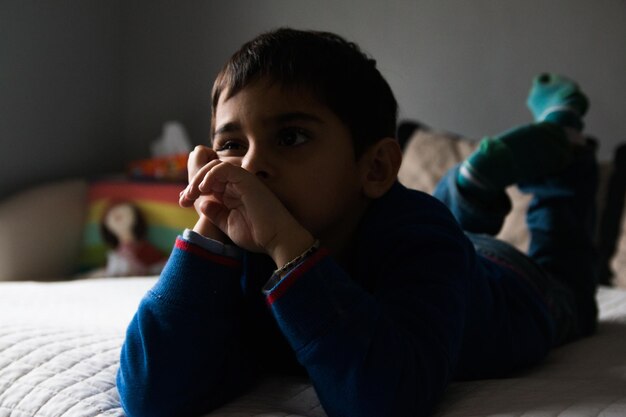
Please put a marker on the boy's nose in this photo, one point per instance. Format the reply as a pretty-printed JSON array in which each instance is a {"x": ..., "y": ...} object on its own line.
[{"x": 256, "y": 163}]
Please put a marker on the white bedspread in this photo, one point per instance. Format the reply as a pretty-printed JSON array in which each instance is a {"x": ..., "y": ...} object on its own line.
[
  {"x": 60, "y": 345},
  {"x": 59, "y": 350}
]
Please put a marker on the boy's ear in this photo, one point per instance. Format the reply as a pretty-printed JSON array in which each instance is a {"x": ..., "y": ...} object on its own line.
[{"x": 379, "y": 167}]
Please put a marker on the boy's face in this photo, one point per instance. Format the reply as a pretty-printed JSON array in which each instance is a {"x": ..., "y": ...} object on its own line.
[{"x": 299, "y": 149}]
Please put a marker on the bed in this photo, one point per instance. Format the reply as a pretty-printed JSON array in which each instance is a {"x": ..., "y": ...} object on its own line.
[{"x": 60, "y": 339}]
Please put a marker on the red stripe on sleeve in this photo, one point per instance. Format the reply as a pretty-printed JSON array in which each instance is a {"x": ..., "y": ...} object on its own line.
[
  {"x": 290, "y": 279},
  {"x": 198, "y": 251}
]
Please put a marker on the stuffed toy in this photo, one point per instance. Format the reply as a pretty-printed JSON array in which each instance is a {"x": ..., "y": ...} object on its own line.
[{"x": 123, "y": 228}]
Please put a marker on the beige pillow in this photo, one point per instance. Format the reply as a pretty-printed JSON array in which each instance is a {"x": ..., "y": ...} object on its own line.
[
  {"x": 618, "y": 262},
  {"x": 40, "y": 231}
]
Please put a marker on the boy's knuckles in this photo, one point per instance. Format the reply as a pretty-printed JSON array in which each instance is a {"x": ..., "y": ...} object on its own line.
[{"x": 199, "y": 157}]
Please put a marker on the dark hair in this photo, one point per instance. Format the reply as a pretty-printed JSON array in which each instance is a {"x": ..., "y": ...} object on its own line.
[{"x": 334, "y": 70}]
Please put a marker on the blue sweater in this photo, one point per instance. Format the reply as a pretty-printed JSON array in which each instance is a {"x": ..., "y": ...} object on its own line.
[{"x": 380, "y": 332}]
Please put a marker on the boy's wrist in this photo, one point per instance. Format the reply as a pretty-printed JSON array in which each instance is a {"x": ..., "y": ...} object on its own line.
[
  {"x": 212, "y": 245},
  {"x": 290, "y": 244},
  {"x": 206, "y": 228}
]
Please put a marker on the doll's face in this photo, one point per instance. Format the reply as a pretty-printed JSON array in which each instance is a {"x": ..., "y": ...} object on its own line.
[{"x": 120, "y": 219}]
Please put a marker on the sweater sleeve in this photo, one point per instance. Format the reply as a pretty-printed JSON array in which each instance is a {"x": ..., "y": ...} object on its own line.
[
  {"x": 184, "y": 352},
  {"x": 386, "y": 352}
]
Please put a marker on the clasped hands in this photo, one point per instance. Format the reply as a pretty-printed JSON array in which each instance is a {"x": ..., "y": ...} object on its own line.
[{"x": 235, "y": 205}]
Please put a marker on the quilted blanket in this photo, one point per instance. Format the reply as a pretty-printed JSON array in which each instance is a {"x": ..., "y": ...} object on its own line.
[{"x": 60, "y": 342}]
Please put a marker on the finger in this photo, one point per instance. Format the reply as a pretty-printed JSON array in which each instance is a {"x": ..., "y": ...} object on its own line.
[
  {"x": 192, "y": 191},
  {"x": 219, "y": 175},
  {"x": 200, "y": 156},
  {"x": 217, "y": 213},
  {"x": 212, "y": 210},
  {"x": 184, "y": 201},
  {"x": 193, "y": 187}
]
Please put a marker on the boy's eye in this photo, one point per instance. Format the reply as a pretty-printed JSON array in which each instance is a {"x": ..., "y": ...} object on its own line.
[
  {"x": 292, "y": 137},
  {"x": 228, "y": 145}
]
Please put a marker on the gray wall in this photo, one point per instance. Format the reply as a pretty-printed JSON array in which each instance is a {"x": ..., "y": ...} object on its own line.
[
  {"x": 60, "y": 90},
  {"x": 90, "y": 85}
]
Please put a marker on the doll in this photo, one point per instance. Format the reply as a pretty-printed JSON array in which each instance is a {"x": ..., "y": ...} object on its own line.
[{"x": 123, "y": 228}]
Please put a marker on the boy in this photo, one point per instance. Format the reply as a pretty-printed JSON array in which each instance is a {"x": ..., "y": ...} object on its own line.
[{"x": 309, "y": 256}]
